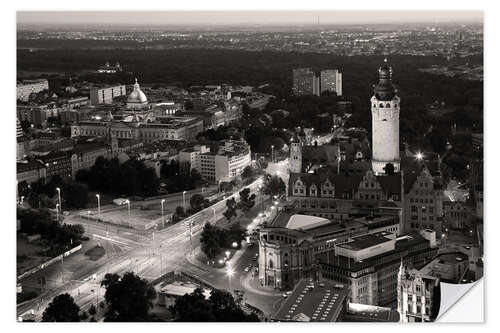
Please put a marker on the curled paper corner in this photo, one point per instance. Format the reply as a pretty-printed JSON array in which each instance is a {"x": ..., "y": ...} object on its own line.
[{"x": 451, "y": 295}]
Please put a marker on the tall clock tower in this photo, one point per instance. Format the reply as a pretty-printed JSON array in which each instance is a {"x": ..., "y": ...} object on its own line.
[{"x": 385, "y": 122}]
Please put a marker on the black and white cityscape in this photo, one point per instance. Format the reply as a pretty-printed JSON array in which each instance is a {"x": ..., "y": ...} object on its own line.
[{"x": 214, "y": 168}]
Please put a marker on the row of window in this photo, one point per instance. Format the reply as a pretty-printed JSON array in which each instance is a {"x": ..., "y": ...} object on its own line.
[{"x": 422, "y": 200}]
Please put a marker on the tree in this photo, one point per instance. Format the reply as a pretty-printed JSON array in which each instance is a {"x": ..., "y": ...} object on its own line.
[
  {"x": 231, "y": 209},
  {"x": 389, "y": 169},
  {"x": 75, "y": 195},
  {"x": 129, "y": 297},
  {"x": 92, "y": 310},
  {"x": 247, "y": 201},
  {"x": 197, "y": 202},
  {"x": 220, "y": 306},
  {"x": 179, "y": 211},
  {"x": 225, "y": 309},
  {"x": 62, "y": 309},
  {"x": 274, "y": 185},
  {"x": 209, "y": 240},
  {"x": 262, "y": 164},
  {"x": 193, "y": 307},
  {"x": 248, "y": 174}
]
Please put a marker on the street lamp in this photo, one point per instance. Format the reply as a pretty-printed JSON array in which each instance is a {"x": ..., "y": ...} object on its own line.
[
  {"x": 98, "y": 206},
  {"x": 230, "y": 273},
  {"x": 59, "y": 195},
  {"x": 128, "y": 204},
  {"x": 88, "y": 220},
  {"x": 57, "y": 212},
  {"x": 22, "y": 199},
  {"x": 234, "y": 244},
  {"x": 272, "y": 153},
  {"x": 184, "y": 200},
  {"x": 162, "y": 218},
  {"x": 419, "y": 156},
  {"x": 227, "y": 254}
]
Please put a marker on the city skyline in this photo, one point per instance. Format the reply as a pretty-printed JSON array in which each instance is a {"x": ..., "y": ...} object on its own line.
[
  {"x": 237, "y": 172},
  {"x": 242, "y": 18}
]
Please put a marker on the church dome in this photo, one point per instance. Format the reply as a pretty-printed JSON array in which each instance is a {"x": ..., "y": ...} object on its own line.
[{"x": 137, "y": 96}]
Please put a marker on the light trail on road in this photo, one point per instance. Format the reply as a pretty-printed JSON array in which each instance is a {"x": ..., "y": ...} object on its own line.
[{"x": 152, "y": 258}]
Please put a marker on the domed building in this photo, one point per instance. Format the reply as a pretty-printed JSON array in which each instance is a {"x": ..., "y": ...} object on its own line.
[{"x": 137, "y": 100}]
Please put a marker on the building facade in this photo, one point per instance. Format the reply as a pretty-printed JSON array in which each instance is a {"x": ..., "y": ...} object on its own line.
[
  {"x": 84, "y": 156},
  {"x": 331, "y": 80},
  {"x": 423, "y": 202},
  {"x": 57, "y": 163},
  {"x": 106, "y": 95},
  {"x": 147, "y": 130},
  {"x": 290, "y": 247},
  {"x": 227, "y": 163},
  {"x": 369, "y": 264},
  {"x": 305, "y": 82},
  {"x": 332, "y": 195},
  {"x": 30, "y": 171},
  {"x": 419, "y": 296},
  {"x": 27, "y": 87}
]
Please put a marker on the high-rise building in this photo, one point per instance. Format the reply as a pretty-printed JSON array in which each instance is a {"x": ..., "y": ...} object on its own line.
[
  {"x": 27, "y": 87},
  {"x": 20, "y": 140},
  {"x": 331, "y": 80},
  {"x": 385, "y": 122},
  {"x": 304, "y": 82},
  {"x": 106, "y": 95}
]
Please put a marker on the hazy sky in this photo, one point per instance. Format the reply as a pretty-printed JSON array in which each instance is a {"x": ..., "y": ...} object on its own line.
[{"x": 244, "y": 17}]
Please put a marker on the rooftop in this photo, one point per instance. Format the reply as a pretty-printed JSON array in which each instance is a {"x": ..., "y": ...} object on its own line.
[
  {"x": 366, "y": 241},
  {"x": 369, "y": 313},
  {"x": 313, "y": 301},
  {"x": 305, "y": 222}
]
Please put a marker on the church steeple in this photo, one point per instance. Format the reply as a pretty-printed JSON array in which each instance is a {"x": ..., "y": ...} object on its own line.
[
  {"x": 384, "y": 90},
  {"x": 385, "y": 122}
]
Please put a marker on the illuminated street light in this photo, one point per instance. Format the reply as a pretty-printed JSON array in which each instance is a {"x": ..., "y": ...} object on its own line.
[
  {"x": 230, "y": 273},
  {"x": 162, "y": 218},
  {"x": 59, "y": 195},
  {"x": 234, "y": 244},
  {"x": 276, "y": 202},
  {"x": 88, "y": 220},
  {"x": 227, "y": 254},
  {"x": 57, "y": 212},
  {"x": 22, "y": 199},
  {"x": 98, "y": 206},
  {"x": 419, "y": 156},
  {"x": 128, "y": 204},
  {"x": 184, "y": 200}
]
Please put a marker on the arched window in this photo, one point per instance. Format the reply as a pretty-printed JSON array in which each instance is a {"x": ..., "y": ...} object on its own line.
[
  {"x": 271, "y": 264},
  {"x": 381, "y": 105},
  {"x": 388, "y": 105}
]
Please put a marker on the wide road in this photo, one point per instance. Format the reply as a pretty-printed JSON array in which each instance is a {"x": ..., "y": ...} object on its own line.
[{"x": 151, "y": 254}]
